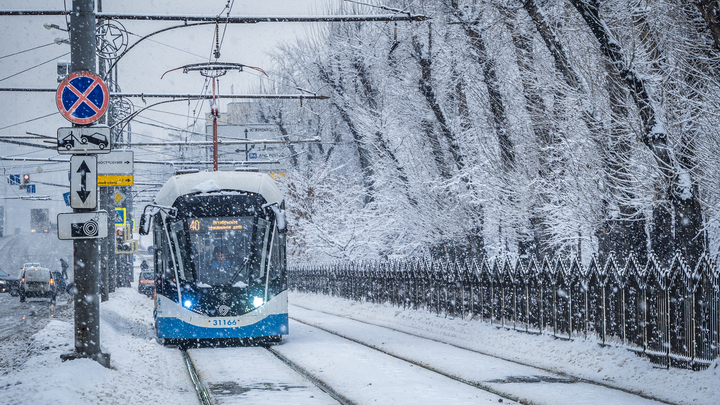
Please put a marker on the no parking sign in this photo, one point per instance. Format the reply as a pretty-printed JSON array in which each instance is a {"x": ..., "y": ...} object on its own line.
[{"x": 82, "y": 98}]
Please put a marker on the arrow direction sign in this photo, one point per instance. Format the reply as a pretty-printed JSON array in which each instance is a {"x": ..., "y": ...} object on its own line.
[
  {"x": 116, "y": 168},
  {"x": 83, "y": 182}
]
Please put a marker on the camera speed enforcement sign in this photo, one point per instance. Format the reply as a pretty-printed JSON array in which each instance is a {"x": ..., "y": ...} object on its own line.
[{"x": 82, "y": 225}]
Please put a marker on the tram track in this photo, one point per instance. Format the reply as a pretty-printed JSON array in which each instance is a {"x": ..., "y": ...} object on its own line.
[
  {"x": 561, "y": 375},
  {"x": 416, "y": 363},
  {"x": 325, "y": 388},
  {"x": 200, "y": 389},
  {"x": 204, "y": 394},
  {"x": 337, "y": 358}
]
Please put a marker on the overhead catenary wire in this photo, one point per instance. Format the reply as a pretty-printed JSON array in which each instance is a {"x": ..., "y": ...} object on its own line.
[
  {"x": 33, "y": 67},
  {"x": 30, "y": 120},
  {"x": 27, "y": 50}
]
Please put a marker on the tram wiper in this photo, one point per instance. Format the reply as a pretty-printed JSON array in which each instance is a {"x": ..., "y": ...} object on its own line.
[{"x": 237, "y": 273}]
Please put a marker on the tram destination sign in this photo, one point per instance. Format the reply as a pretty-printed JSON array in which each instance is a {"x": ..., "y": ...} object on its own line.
[
  {"x": 82, "y": 225},
  {"x": 83, "y": 140}
]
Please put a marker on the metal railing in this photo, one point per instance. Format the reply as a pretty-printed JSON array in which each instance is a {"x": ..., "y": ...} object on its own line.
[{"x": 670, "y": 314}]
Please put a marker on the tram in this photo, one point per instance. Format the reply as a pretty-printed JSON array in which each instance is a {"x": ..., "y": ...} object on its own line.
[{"x": 219, "y": 253}]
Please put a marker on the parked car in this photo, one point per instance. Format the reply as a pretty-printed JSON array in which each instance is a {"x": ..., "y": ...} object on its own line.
[
  {"x": 37, "y": 282},
  {"x": 60, "y": 282},
  {"x": 9, "y": 284},
  {"x": 146, "y": 283}
]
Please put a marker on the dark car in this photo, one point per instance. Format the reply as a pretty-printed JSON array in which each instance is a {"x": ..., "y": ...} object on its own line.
[
  {"x": 60, "y": 282},
  {"x": 37, "y": 282},
  {"x": 146, "y": 283},
  {"x": 9, "y": 284},
  {"x": 97, "y": 138}
]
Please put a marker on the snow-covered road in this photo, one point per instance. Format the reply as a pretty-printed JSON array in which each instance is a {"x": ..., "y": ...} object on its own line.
[{"x": 359, "y": 369}]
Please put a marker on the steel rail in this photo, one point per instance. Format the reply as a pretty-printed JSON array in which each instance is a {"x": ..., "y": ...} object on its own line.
[
  {"x": 416, "y": 363},
  {"x": 310, "y": 378},
  {"x": 578, "y": 379},
  {"x": 202, "y": 393}
]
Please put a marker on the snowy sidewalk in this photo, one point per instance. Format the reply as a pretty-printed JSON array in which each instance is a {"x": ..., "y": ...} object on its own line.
[{"x": 142, "y": 371}]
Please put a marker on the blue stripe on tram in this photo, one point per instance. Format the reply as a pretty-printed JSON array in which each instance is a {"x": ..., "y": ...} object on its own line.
[{"x": 174, "y": 328}]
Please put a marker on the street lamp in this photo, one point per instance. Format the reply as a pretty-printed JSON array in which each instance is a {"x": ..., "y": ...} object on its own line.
[
  {"x": 60, "y": 41},
  {"x": 57, "y": 27}
]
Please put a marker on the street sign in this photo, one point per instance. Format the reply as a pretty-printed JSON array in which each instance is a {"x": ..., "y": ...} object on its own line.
[
  {"x": 83, "y": 140},
  {"x": 82, "y": 225},
  {"x": 83, "y": 182},
  {"x": 30, "y": 188},
  {"x": 66, "y": 197},
  {"x": 118, "y": 197},
  {"x": 14, "y": 179},
  {"x": 120, "y": 216},
  {"x": 82, "y": 98},
  {"x": 117, "y": 162},
  {"x": 116, "y": 168},
  {"x": 108, "y": 180}
]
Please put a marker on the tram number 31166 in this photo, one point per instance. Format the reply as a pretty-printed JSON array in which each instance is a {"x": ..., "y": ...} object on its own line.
[{"x": 224, "y": 322}]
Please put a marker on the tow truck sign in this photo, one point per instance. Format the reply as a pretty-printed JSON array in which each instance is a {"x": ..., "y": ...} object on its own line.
[{"x": 83, "y": 140}]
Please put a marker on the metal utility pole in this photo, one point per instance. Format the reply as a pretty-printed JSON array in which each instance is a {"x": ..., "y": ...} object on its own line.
[{"x": 85, "y": 256}]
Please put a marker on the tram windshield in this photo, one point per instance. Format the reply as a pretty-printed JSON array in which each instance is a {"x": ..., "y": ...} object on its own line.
[{"x": 221, "y": 249}]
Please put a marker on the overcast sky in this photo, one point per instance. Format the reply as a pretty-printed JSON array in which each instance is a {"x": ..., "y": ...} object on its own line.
[
  {"x": 141, "y": 69},
  {"x": 138, "y": 72}
]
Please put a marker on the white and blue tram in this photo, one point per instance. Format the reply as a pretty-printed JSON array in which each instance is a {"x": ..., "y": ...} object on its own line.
[{"x": 219, "y": 253}]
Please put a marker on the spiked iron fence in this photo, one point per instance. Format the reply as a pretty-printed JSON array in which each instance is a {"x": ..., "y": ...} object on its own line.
[{"x": 670, "y": 314}]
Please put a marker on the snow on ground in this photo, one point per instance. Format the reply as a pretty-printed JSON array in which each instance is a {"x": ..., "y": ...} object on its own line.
[
  {"x": 143, "y": 371},
  {"x": 611, "y": 365}
]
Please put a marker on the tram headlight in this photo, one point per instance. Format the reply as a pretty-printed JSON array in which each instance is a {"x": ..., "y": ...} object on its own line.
[
  {"x": 257, "y": 301},
  {"x": 187, "y": 304}
]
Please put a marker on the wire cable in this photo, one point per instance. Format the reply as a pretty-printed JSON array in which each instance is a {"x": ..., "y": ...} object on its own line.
[
  {"x": 33, "y": 67},
  {"x": 30, "y": 120},
  {"x": 26, "y": 50}
]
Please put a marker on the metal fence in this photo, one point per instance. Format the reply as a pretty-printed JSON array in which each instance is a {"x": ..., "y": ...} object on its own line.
[{"x": 670, "y": 314}]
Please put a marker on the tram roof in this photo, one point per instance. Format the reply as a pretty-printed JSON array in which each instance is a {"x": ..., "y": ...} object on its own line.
[{"x": 183, "y": 184}]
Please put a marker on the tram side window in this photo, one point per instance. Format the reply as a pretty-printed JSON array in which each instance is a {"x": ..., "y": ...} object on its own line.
[
  {"x": 282, "y": 281},
  {"x": 157, "y": 251},
  {"x": 262, "y": 236},
  {"x": 274, "y": 264},
  {"x": 167, "y": 268},
  {"x": 177, "y": 233}
]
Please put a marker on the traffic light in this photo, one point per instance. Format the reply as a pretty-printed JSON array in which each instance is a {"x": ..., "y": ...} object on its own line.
[
  {"x": 26, "y": 179},
  {"x": 123, "y": 242}
]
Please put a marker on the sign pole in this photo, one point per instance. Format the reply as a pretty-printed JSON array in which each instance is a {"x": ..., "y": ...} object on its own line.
[{"x": 86, "y": 260}]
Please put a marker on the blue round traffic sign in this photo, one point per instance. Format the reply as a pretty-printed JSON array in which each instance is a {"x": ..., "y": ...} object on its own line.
[{"x": 82, "y": 98}]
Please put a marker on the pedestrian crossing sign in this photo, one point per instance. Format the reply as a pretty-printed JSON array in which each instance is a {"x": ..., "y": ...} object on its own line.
[{"x": 120, "y": 216}]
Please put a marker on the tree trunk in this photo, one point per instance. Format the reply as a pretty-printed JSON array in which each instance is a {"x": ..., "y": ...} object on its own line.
[
  {"x": 366, "y": 167},
  {"x": 681, "y": 190},
  {"x": 710, "y": 11}
]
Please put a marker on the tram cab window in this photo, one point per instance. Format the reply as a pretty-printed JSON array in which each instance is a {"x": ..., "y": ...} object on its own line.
[{"x": 221, "y": 249}]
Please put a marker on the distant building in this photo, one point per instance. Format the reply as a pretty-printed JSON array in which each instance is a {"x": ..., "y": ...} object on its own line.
[{"x": 235, "y": 125}]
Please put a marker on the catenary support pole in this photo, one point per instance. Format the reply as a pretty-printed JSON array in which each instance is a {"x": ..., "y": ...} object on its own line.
[{"x": 85, "y": 256}]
